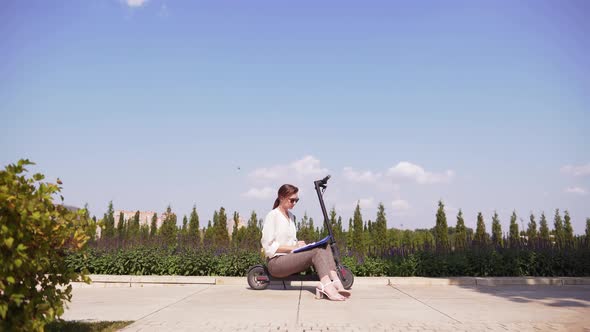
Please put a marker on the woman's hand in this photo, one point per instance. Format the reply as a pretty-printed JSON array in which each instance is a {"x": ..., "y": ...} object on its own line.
[{"x": 300, "y": 244}]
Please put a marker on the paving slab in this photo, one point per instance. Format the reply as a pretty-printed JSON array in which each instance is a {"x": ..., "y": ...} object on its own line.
[
  {"x": 124, "y": 304},
  {"x": 374, "y": 306}
]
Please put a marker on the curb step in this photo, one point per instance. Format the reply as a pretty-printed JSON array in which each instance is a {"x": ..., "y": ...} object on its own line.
[{"x": 146, "y": 281}]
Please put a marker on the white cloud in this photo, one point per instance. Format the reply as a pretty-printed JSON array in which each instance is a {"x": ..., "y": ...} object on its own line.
[
  {"x": 271, "y": 173},
  {"x": 365, "y": 203},
  {"x": 576, "y": 190},
  {"x": 135, "y": 3},
  {"x": 400, "y": 205},
  {"x": 360, "y": 177},
  {"x": 407, "y": 170},
  {"x": 262, "y": 193},
  {"x": 308, "y": 166},
  {"x": 302, "y": 168},
  {"x": 576, "y": 170}
]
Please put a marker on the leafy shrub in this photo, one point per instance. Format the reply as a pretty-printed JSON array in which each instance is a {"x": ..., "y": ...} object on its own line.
[
  {"x": 164, "y": 261},
  {"x": 35, "y": 237},
  {"x": 480, "y": 262},
  {"x": 366, "y": 267}
]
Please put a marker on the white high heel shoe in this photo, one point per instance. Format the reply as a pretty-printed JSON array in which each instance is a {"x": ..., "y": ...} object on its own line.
[
  {"x": 319, "y": 293},
  {"x": 340, "y": 288}
]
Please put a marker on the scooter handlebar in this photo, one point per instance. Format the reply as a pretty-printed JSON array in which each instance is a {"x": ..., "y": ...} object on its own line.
[{"x": 323, "y": 182}]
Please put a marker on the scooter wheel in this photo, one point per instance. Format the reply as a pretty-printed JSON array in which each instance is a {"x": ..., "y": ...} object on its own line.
[
  {"x": 258, "y": 277},
  {"x": 347, "y": 277}
]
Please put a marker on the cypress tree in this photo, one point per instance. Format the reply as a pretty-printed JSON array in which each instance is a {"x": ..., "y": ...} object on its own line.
[
  {"x": 339, "y": 233},
  {"x": 212, "y": 229},
  {"x": 333, "y": 222},
  {"x": 532, "y": 231},
  {"x": 221, "y": 239},
  {"x": 461, "y": 236},
  {"x": 184, "y": 229},
  {"x": 357, "y": 231},
  {"x": 514, "y": 234},
  {"x": 558, "y": 228},
  {"x": 441, "y": 235},
  {"x": 497, "y": 239},
  {"x": 154, "y": 225},
  {"x": 481, "y": 236},
  {"x": 588, "y": 232},
  {"x": 568, "y": 230},
  {"x": 253, "y": 233},
  {"x": 144, "y": 231},
  {"x": 209, "y": 233},
  {"x": 349, "y": 233},
  {"x": 312, "y": 231},
  {"x": 121, "y": 227},
  {"x": 193, "y": 227},
  {"x": 303, "y": 230},
  {"x": 109, "y": 222},
  {"x": 133, "y": 226},
  {"x": 544, "y": 230},
  {"x": 169, "y": 230},
  {"x": 89, "y": 224},
  {"x": 367, "y": 237},
  {"x": 234, "y": 234},
  {"x": 380, "y": 231}
]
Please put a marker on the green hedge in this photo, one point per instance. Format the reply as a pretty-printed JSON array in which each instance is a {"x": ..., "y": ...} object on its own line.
[
  {"x": 480, "y": 263},
  {"x": 161, "y": 261},
  {"x": 477, "y": 263}
]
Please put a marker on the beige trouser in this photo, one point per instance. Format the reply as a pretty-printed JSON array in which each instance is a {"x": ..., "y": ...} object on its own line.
[{"x": 285, "y": 265}]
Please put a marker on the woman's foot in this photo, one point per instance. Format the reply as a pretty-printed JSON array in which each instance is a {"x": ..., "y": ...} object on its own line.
[
  {"x": 340, "y": 288},
  {"x": 330, "y": 291}
]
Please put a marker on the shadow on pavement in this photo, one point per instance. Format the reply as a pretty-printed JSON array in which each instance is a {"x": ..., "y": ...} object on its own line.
[{"x": 555, "y": 296}]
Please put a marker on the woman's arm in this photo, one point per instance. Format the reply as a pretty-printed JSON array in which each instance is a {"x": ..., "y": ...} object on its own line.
[
  {"x": 268, "y": 241},
  {"x": 288, "y": 249}
]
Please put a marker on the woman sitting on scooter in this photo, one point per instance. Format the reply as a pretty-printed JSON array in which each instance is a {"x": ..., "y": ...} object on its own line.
[{"x": 279, "y": 239}]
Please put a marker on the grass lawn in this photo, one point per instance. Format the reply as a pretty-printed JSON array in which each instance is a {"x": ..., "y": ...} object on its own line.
[{"x": 71, "y": 326}]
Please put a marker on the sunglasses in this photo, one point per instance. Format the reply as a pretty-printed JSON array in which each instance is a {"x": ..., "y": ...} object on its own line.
[{"x": 293, "y": 200}]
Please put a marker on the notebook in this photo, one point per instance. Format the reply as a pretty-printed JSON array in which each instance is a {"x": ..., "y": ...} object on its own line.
[{"x": 313, "y": 245}]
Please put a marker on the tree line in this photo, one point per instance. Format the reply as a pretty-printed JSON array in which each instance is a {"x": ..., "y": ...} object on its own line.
[
  {"x": 362, "y": 237},
  {"x": 122, "y": 233}
]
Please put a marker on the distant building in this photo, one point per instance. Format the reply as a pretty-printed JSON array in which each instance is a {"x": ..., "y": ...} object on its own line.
[
  {"x": 145, "y": 217},
  {"x": 230, "y": 224},
  {"x": 98, "y": 232}
]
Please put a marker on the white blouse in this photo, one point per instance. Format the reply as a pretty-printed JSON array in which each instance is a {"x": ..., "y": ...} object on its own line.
[{"x": 278, "y": 231}]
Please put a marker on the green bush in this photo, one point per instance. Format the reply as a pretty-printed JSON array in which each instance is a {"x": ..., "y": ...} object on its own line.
[
  {"x": 366, "y": 267},
  {"x": 481, "y": 262},
  {"x": 35, "y": 237},
  {"x": 478, "y": 262},
  {"x": 405, "y": 267},
  {"x": 164, "y": 261}
]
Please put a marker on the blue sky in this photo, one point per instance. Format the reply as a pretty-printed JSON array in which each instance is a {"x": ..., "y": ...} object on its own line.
[{"x": 484, "y": 105}]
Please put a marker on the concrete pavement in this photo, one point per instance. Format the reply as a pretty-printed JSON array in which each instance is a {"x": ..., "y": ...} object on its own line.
[{"x": 377, "y": 304}]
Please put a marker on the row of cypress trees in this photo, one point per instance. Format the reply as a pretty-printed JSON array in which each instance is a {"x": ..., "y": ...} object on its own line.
[{"x": 371, "y": 237}]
